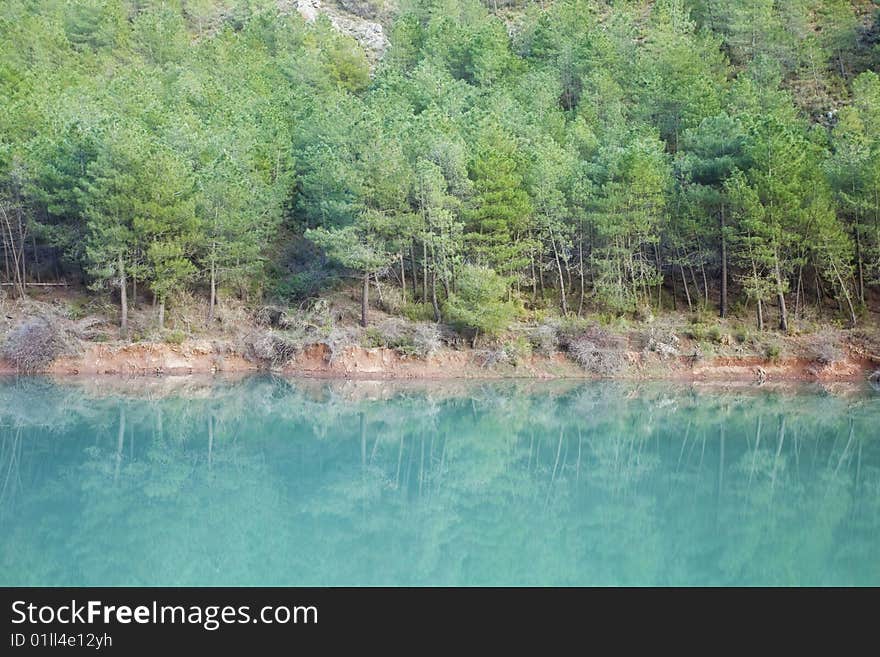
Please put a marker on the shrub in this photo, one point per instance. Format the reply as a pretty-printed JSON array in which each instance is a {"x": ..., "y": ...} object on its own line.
[
  {"x": 700, "y": 316},
  {"x": 773, "y": 352},
  {"x": 32, "y": 345},
  {"x": 696, "y": 332},
  {"x": 596, "y": 350},
  {"x": 392, "y": 301},
  {"x": 603, "y": 361},
  {"x": 426, "y": 339},
  {"x": 616, "y": 321},
  {"x": 418, "y": 312},
  {"x": 338, "y": 338},
  {"x": 664, "y": 343},
  {"x": 273, "y": 348},
  {"x": 373, "y": 338},
  {"x": 274, "y": 316},
  {"x": 742, "y": 334},
  {"x": 825, "y": 351},
  {"x": 420, "y": 340},
  {"x": 78, "y": 308},
  {"x": 496, "y": 355},
  {"x": 644, "y": 313},
  {"x": 572, "y": 327},
  {"x": 701, "y": 332},
  {"x": 510, "y": 352},
  {"x": 174, "y": 337},
  {"x": 518, "y": 349},
  {"x": 544, "y": 339}
]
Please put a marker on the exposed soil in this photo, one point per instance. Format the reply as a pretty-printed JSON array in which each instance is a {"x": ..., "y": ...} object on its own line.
[
  {"x": 381, "y": 363},
  {"x": 205, "y": 356},
  {"x": 670, "y": 348}
]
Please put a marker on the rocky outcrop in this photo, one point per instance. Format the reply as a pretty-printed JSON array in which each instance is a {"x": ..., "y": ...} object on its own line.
[{"x": 368, "y": 33}]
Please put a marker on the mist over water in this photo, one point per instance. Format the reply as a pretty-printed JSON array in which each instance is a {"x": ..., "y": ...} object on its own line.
[{"x": 268, "y": 481}]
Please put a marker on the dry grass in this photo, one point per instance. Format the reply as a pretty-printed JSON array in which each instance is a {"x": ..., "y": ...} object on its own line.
[
  {"x": 544, "y": 338},
  {"x": 32, "y": 345},
  {"x": 43, "y": 333},
  {"x": 271, "y": 347},
  {"x": 597, "y": 351},
  {"x": 824, "y": 349}
]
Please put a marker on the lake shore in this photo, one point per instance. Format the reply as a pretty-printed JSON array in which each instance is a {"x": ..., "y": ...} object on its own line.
[{"x": 356, "y": 362}]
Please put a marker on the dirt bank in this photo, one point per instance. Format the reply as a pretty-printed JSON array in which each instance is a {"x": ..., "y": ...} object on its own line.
[{"x": 204, "y": 356}]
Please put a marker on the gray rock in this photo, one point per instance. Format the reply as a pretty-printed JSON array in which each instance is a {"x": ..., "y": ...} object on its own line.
[{"x": 369, "y": 34}]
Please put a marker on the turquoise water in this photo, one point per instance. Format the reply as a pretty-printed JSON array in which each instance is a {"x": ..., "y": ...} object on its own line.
[{"x": 267, "y": 481}]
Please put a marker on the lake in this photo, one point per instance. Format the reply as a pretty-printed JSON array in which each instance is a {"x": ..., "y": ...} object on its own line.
[{"x": 271, "y": 481}]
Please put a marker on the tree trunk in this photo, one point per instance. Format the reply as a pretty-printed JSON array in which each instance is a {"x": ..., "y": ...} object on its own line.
[
  {"x": 760, "y": 316},
  {"x": 534, "y": 278},
  {"x": 162, "y": 314},
  {"x": 123, "y": 300},
  {"x": 424, "y": 272},
  {"x": 724, "y": 308},
  {"x": 780, "y": 295},
  {"x": 849, "y": 303},
  {"x": 36, "y": 257},
  {"x": 860, "y": 266},
  {"x": 22, "y": 239},
  {"x": 414, "y": 277},
  {"x": 434, "y": 304},
  {"x": 213, "y": 292},
  {"x": 378, "y": 289},
  {"x": 705, "y": 285},
  {"x": 6, "y": 259},
  {"x": 561, "y": 279},
  {"x": 674, "y": 289},
  {"x": 568, "y": 277},
  {"x": 687, "y": 294},
  {"x": 581, "y": 267},
  {"x": 13, "y": 248},
  {"x": 660, "y": 272},
  {"x": 696, "y": 285},
  {"x": 365, "y": 298},
  {"x": 402, "y": 277}
]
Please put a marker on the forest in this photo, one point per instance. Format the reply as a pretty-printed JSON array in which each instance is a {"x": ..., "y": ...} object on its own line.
[{"x": 571, "y": 157}]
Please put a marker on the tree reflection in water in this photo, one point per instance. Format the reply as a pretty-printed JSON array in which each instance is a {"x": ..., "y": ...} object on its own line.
[{"x": 293, "y": 482}]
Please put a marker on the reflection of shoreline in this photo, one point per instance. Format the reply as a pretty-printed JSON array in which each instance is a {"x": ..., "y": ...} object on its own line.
[{"x": 205, "y": 386}]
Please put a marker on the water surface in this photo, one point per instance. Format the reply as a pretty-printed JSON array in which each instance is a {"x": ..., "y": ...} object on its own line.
[{"x": 267, "y": 481}]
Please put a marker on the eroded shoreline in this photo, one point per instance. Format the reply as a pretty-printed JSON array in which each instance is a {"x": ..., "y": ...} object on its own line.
[{"x": 355, "y": 362}]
